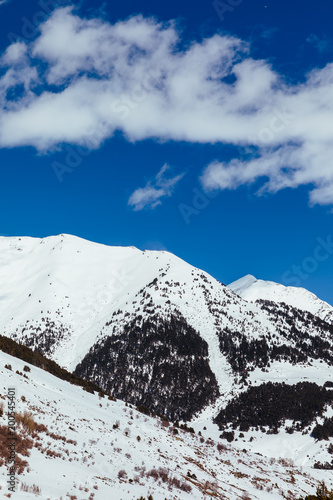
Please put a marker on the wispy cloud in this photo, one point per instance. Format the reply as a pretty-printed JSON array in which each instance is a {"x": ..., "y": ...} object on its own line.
[
  {"x": 3, "y": 1},
  {"x": 322, "y": 44},
  {"x": 81, "y": 75},
  {"x": 288, "y": 166},
  {"x": 151, "y": 195}
]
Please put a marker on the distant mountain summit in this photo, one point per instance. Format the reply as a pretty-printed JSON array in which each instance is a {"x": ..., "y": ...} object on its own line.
[{"x": 252, "y": 289}]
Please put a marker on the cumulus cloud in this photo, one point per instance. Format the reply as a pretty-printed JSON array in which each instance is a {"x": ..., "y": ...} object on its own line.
[
  {"x": 150, "y": 196},
  {"x": 83, "y": 76},
  {"x": 130, "y": 76}
]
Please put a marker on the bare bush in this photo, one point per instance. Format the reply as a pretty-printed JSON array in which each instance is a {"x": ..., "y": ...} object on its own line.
[
  {"x": 122, "y": 474},
  {"x": 163, "y": 474}
]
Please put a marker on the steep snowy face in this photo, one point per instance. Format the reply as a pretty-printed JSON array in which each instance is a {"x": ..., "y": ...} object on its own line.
[{"x": 252, "y": 289}]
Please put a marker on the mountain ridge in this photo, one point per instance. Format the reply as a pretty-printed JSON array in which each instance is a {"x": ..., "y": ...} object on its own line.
[{"x": 119, "y": 317}]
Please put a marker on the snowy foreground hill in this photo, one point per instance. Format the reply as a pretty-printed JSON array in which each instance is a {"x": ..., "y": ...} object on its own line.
[
  {"x": 85, "y": 447},
  {"x": 251, "y": 363}
]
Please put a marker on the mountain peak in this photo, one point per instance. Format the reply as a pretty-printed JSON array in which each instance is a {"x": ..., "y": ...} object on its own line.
[
  {"x": 252, "y": 289},
  {"x": 242, "y": 284}
]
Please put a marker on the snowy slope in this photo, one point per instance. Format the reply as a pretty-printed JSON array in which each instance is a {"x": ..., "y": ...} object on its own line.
[
  {"x": 82, "y": 303},
  {"x": 89, "y": 440},
  {"x": 252, "y": 289},
  {"x": 77, "y": 285},
  {"x": 66, "y": 296}
]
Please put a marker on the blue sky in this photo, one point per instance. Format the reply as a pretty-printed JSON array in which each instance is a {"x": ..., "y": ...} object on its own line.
[{"x": 200, "y": 128}]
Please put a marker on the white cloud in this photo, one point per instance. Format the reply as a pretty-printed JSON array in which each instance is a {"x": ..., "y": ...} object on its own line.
[
  {"x": 2, "y": 2},
  {"x": 287, "y": 167},
  {"x": 150, "y": 196},
  {"x": 85, "y": 75},
  {"x": 128, "y": 76},
  {"x": 14, "y": 54}
]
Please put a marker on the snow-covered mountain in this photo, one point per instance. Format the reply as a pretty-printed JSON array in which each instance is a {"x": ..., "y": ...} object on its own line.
[
  {"x": 151, "y": 329},
  {"x": 252, "y": 289},
  {"x": 158, "y": 333}
]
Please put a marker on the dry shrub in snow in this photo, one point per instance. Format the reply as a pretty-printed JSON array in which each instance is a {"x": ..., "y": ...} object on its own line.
[{"x": 122, "y": 474}]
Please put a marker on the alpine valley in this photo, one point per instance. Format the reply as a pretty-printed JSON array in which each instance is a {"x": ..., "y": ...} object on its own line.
[{"x": 193, "y": 389}]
